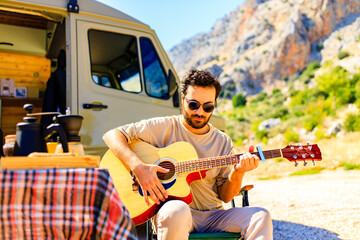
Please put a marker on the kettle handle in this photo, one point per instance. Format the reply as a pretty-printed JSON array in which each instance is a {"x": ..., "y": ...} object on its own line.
[
  {"x": 1, "y": 144},
  {"x": 56, "y": 128}
]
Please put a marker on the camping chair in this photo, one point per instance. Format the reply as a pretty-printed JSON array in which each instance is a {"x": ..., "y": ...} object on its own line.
[{"x": 212, "y": 236}]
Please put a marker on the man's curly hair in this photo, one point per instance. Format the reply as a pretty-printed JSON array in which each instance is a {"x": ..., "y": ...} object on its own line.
[{"x": 201, "y": 79}]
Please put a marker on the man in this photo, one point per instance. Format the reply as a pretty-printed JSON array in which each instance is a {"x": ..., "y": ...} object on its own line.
[{"x": 176, "y": 219}]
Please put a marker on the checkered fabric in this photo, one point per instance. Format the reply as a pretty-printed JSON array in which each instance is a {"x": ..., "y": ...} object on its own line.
[{"x": 62, "y": 204}]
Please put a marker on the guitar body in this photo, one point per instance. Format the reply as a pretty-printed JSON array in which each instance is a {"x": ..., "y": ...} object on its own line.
[
  {"x": 181, "y": 157},
  {"x": 177, "y": 188}
]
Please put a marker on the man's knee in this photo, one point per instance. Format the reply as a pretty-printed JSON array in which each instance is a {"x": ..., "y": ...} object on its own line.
[
  {"x": 263, "y": 215},
  {"x": 262, "y": 225},
  {"x": 174, "y": 221},
  {"x": 174, "y": 213}
]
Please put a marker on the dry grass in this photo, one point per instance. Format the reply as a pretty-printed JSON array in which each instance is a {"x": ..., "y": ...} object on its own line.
[{"x": 335, "y": 151}]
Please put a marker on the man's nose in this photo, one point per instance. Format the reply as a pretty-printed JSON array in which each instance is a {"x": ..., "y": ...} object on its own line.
[{"x": 200, "y": 111}]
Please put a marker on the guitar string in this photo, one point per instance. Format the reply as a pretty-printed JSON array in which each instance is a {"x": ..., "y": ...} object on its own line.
[{"x": 207, "y": 163}]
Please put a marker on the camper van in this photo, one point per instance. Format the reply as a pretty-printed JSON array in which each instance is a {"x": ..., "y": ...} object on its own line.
[{"x": 87, "y": 57}]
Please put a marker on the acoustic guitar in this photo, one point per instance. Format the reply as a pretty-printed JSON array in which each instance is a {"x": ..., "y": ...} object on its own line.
[{"x": 185, "y": 167}]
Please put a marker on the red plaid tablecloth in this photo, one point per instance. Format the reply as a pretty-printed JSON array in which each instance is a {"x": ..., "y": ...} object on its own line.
[{"x": 62, "y": 204}]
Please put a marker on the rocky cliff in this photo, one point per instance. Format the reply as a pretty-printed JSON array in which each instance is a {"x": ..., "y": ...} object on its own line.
[{"x": 263, "y": 43}]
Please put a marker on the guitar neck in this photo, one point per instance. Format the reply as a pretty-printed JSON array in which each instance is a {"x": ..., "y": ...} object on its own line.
[{"x": 222, "y": 161}]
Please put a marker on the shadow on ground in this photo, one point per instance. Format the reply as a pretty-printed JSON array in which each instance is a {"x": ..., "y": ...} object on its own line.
[{"x": 294, "y": 231}]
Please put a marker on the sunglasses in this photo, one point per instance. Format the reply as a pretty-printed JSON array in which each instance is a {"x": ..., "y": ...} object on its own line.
[{"x": 195, "y": 105}]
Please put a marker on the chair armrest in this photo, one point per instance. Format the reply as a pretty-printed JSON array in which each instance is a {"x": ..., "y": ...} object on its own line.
[
  {"x": 245, "y": 188},
  {"x": 245, "y": 198}
]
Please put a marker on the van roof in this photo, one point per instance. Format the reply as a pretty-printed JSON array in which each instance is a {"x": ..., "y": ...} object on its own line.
[{"x": 86, "y": 6}]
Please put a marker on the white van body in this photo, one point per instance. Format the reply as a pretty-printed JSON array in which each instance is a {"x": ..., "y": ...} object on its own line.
[{"x": 117, "y": 72}]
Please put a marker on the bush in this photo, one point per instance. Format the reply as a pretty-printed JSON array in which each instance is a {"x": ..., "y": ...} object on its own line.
[
  {"x": 302, "y": 98},
  {"x": 352, "y": 123},
  {"x": 251, "y": 85},
  {"x": 291, "y": 136},
  {"x": 297, "y": 111},
  {"x": 320, "y": 133},
  {"x": 275, "y": 91},
  {"x": 262, "y": 135},
  {"x": 319, "y": 46},
  {"x": 308, "y": 73},
  {"x": 227, "y": 95},
  {"x": 336, "y": 84},
  {"x": 260, "y": 97},
  {"x": 221, "y": 95},
  {"x": 313, "y": 66},
  {"x": 356, "y": 83},
  {"x": 310, "y": 121},
  {"x": 230, "y": 86},
  {"x": 342, "y": 55},
  {"x": 239, "y": 100},
  {"x": 349, "y": 166}
]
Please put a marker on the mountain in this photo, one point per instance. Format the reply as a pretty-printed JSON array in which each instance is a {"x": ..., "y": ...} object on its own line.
[{"x": 263, "y": 43}]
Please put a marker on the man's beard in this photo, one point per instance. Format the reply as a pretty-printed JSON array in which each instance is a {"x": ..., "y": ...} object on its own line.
[{"x": 193, "y": 123}]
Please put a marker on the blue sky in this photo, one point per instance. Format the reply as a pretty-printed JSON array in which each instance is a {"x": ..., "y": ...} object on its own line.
[{"x": 176, "y": 20}]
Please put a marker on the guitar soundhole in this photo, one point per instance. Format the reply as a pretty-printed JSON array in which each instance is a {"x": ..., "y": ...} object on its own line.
[{"x": 167, "y": 165}]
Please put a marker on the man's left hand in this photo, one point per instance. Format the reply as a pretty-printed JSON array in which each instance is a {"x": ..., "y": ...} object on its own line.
[{"x": 247, "y": 162}]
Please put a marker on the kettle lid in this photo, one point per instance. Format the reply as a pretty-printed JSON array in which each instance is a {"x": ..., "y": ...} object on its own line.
[{"x": 29, "y": 121}]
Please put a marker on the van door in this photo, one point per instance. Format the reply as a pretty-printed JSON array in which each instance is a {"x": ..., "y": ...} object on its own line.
[{"x": 121, "y": 79}]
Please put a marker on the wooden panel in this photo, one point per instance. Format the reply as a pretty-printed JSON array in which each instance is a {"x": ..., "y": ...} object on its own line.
[
  {"x": 23, "y": 59},
  {"x": 18, "y": 19},
  {"x": 12, "y": 112},
  {"x": 27, "y": 71}
]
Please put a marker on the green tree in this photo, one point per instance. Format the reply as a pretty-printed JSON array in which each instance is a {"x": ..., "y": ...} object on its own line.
[{"x": 238, "y": 100}]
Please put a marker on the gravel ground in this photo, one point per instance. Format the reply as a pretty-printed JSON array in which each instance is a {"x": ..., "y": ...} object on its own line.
[{"x": 320, "y": 206}]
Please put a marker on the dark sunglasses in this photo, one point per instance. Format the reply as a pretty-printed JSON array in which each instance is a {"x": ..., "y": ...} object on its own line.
[{"x": 195, "y": 105}]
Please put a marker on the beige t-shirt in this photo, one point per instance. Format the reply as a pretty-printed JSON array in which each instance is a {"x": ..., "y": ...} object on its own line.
[{"x": 163, "y": 131}]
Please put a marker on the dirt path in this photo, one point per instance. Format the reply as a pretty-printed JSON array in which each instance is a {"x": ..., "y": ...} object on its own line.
[{"x": 320, "y": 206}]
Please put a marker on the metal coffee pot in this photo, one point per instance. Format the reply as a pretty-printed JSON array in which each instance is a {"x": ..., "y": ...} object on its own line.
[{"x": 32, "y": 136}]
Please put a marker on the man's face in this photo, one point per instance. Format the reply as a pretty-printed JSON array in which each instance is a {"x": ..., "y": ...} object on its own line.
[{"x": 198, "y": 118}]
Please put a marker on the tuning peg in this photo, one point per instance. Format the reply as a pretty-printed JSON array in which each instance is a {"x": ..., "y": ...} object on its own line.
[
  {"x": 303, "y": 156},
  {"x": 312, "y": 155},
  {"x": 305, "y": 163},
  {"x": 296, "y": 164},
  {"x": 294, "y": 157},
  {"x": 313, "y": 162}
]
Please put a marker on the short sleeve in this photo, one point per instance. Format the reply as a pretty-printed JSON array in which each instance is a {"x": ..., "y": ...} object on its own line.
[{"x": 136, "y": 131}]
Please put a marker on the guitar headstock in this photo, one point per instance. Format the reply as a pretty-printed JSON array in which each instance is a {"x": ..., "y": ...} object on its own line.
[{"x": 304, "y": 153}]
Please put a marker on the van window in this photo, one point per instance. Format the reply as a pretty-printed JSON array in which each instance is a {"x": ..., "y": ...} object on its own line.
[
  {"x": 155, "y": 78},
  {"x": 114, "y": 60},
  {"x": 102, "y": 80}
]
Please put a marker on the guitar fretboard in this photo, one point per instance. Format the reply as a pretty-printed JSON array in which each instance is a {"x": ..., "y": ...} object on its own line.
[{"x": 216, "y": 162}]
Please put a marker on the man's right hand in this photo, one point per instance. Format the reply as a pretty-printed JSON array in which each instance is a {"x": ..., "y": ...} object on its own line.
[{"x": 150, "y": 183}]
